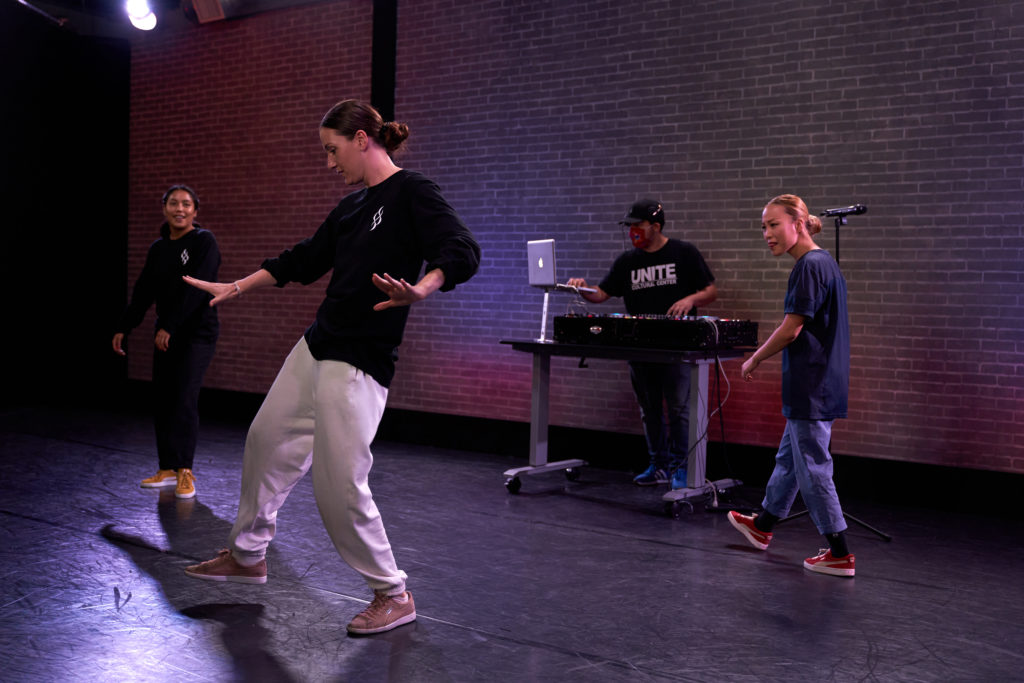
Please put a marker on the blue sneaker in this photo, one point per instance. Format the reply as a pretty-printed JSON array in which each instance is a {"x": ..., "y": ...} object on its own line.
[
  {"x": 679, "y": 478},
  {"x": 651, "y": 476}
]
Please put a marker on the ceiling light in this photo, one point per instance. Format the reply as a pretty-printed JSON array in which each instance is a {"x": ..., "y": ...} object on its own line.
[{"x": 140, "y": 14}]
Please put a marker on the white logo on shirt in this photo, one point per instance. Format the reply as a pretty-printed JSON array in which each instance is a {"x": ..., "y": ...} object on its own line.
[
  {"x": 377, "y": 218},
  {"x": 654, "y": 276},
  {"x": 184, "y": 256}
]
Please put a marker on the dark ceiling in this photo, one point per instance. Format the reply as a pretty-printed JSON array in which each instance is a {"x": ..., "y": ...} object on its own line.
[
  {"x": 96, "y": 17},
  {"x": 108, "y": 17}
]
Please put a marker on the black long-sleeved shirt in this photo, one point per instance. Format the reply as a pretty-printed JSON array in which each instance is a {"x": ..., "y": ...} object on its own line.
[
  {"x": 181, "y": 310},
  {"x": 392, "y": 227}
]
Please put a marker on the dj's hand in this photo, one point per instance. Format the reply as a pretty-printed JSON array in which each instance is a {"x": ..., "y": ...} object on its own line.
[
  {"x": 576, "y": 282},
  {"x": 680, "y": 308}
]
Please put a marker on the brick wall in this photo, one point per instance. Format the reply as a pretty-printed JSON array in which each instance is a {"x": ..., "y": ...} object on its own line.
[{"x": 548, "y": 119}]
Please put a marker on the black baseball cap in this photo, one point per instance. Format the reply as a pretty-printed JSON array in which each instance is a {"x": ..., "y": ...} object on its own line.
[{"x": 645, "y": 210}]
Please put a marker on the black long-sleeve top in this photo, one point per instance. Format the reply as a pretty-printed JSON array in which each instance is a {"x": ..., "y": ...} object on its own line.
[
  {"x": 183, "y": 311},
  {"x": 392, "y": 227}
]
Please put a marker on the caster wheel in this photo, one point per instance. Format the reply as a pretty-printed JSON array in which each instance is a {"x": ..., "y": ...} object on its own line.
[
  {"x": 513, "y": 485},
  {"x": 572, "y": 474},
  {"x": 675, "y": 508}
]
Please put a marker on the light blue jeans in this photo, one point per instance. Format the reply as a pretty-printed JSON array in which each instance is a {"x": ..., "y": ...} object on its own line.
[{"x": 803, "y": 464}]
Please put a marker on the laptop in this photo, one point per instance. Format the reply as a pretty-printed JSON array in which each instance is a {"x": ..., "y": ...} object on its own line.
[{"x": 541, "y": 254}]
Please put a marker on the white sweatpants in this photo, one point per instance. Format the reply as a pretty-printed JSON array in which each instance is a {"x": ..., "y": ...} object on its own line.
[{"x": 324, "y": 414}]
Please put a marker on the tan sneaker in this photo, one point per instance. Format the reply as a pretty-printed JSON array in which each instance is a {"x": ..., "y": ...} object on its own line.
[
  {"x": 186, "y": 487},
  {"x": 225, "y": 568},
  {"x": 383, "y": 614},
  {"x": 161, "y": 478}
]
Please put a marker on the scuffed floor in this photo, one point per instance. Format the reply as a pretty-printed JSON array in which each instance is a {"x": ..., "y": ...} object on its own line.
[{"x": 566, "y": 581}]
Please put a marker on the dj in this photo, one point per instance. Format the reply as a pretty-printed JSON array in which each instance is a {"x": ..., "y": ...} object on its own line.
[{"x": 660, "y": 276}]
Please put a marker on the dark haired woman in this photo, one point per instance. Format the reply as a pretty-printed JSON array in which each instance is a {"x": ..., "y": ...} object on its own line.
[
  {"x": 814, "y": 338},
  {"x": 324, "y": 407},
  {"x": 186, "y": 333}
]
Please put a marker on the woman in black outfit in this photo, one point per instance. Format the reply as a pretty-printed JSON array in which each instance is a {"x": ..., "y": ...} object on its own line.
[{"x": 186, "y": 333}]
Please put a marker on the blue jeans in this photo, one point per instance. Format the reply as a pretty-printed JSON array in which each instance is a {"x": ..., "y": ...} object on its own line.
[
  {"x": 657, "y": 386},
  {"x": 803, "y": 464}
]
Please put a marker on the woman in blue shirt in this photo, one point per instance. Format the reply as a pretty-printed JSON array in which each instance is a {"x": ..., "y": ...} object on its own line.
[{"x": 814, "y": 339}]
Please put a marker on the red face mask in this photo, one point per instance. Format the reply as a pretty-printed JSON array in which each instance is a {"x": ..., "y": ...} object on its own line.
[{"x": 638, "y": 237}]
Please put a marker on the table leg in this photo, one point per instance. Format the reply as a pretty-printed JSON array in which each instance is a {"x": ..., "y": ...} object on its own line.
[
  {"x": 539, "y": 403},
  {"x": 696, "y": 474},
  {"x": 698, "y": 437}
]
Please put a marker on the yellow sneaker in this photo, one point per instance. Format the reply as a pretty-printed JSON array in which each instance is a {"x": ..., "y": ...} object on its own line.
[
  {"x": 161, "y": 478},
  {"x": 186, "y": 484}
]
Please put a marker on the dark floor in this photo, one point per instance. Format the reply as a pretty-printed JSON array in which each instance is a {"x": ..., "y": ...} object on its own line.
[{"x": 566, "y": 581}]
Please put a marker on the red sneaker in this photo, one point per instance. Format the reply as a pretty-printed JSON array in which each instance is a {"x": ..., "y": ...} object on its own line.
[
  {"x": 824, "y": 563},
  {"x": 745, "y": 525}
]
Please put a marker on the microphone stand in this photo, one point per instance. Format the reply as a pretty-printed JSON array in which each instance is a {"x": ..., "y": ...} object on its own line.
[
  {"x": 853, "y": 519},
  {"x": 840, "y": 220}
]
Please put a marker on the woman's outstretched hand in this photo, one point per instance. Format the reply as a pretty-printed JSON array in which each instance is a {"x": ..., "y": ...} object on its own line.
[
  {"x": 400, "y": 292},
  {"x": 221, "y": 291}
]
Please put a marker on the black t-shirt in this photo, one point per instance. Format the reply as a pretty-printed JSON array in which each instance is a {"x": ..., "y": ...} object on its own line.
[
  {"x": 650, "y": 283},
  {"x": 391, "y": 227},
  {"x": 816, "y": 365}
]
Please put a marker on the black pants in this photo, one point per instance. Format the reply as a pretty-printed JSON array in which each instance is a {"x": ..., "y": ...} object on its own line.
[
  {"x": 659, "y": 386},
  {"x": 177, "y": 378}
]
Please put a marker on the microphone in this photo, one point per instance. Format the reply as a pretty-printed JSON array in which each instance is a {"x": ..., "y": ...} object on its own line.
[{"x": 855, "y": 210}]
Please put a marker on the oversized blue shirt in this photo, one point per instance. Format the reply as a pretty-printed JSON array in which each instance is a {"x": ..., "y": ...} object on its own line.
[{"x": 816, "y": 365}]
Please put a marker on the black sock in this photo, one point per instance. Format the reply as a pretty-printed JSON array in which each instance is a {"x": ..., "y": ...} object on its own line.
[
  {"x": 765, "y": 522},
  {"x": 837, "y": 542}
]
